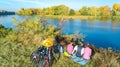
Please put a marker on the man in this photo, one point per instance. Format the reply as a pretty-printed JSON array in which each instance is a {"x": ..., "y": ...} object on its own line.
[{"x": 77, "y": 52}]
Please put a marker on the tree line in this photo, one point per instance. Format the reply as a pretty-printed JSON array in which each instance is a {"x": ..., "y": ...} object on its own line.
[
  {"x": 3, "y": 12},
  {"x": 65, "y": 10}
]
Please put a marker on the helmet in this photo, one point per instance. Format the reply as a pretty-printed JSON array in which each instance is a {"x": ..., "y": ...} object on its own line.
[{"x": 48, "y": 42}]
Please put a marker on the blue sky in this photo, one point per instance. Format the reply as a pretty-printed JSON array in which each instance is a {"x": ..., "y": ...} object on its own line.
[{"x": 14, "y": 5}]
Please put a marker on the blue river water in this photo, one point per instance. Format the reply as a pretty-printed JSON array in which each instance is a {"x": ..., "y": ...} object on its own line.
[{"x": 100, "y": 33}]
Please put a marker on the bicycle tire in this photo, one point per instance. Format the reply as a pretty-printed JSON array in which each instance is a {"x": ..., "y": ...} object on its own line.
[
  {"x": 40, "y": 63},
  {"x": 34, "y": 64},
  {"x": 46, "y": 63}
]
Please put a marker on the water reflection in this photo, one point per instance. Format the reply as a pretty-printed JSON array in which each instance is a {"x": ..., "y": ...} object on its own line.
[
  {"x": 113, "y": 19},
  {"x": 105, "y": 22},
  {"x": 3, "y": 16}
]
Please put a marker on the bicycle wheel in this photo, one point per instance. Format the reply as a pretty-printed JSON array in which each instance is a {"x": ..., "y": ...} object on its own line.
[
  {"x": 40, "y": 63},
  {"x": 46, "y": 63},
  {"x": 34, "y": 63}
]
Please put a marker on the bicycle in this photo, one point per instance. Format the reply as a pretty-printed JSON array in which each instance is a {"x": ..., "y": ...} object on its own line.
[
  {"x": 49, "y": 57},
  {"x": 43, "y": 57}
]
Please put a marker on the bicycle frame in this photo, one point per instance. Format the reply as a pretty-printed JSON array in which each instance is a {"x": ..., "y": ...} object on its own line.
[{"x": 47, "y": 58}]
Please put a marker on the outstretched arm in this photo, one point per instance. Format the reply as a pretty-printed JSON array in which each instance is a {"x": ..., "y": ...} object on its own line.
[{"x": 74, "y": 50}]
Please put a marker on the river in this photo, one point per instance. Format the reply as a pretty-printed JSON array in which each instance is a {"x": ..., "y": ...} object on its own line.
[{"x": 100, "y": 33}]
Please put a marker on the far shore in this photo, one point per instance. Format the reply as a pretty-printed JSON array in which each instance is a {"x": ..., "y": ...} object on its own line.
[{"x": 81, "y": 17}]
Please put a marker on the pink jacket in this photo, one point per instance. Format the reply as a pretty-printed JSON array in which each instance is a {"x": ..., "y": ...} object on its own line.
[
  {"x": 70, "y": 48},
  {"x": 87, "y": 53}
]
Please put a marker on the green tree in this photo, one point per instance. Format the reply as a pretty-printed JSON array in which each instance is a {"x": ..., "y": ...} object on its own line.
[
  {"x": 61, "y": 10},
  {"x": 71, "y": 12},
  {"x": 46, "y": 11},
  {"x": 84, "y": 10}
]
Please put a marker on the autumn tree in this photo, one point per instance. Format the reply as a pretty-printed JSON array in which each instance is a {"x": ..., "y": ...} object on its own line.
[
  {"x": 64, "y": 10},
  {"x": 37, "y": 11},
  {"x": 77, "y": 13},
  {"x": 92, "y": 11},
  {"x": 104, "y": 11},
  {"x": 21, "y": 11},
  {"x": 116, "y": 9},
  {"x": 29, "y": 11}
]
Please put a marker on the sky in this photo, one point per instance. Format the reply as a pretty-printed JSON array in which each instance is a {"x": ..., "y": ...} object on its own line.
[{"x": 15, "y": 5}]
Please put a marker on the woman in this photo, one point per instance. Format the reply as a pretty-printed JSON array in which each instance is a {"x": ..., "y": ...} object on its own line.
[
  {"x": 86, "y": 54},
  {"x": 87, "y": 51},
  {"x": 70, "y": 47}
]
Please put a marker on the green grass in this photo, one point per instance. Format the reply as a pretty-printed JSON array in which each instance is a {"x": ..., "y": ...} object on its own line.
[{"x": 65, "y": 62}]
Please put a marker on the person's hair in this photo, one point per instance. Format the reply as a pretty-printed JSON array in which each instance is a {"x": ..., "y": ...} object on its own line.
[
  {"x": 81, "y": 44},
  {"x": 64, "y": 42},
  {"x": 59, "y": 38},
  {"x": 68, "y": 41},
  {"x": 86, "y": 44}
]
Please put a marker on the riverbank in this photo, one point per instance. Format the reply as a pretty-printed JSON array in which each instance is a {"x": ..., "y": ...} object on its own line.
[
  {"x": 83, "y": 17},
  {"x": 69, "y": 17}
]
